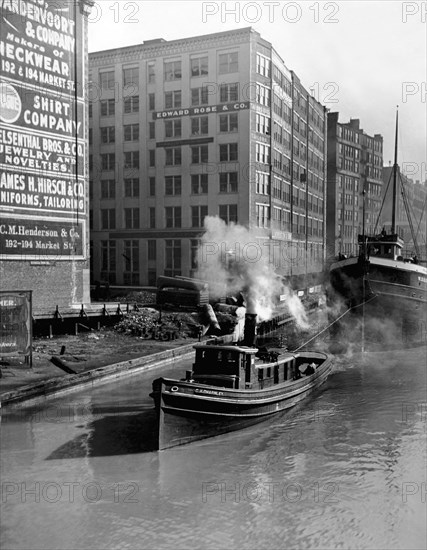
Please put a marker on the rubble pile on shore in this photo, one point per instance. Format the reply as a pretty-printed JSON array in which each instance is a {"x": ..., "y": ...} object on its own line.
[{"x": 149, "y": 323}]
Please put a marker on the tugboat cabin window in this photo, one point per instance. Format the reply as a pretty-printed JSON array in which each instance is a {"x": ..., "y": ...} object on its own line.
[{"x": 217, "y": 362}]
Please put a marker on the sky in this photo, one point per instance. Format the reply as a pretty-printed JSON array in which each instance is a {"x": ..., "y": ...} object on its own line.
[{"x": 361, "y": 58}]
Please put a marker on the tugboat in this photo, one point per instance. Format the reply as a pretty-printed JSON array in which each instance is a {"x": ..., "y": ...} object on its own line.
[{"x": 231, "y": 387}]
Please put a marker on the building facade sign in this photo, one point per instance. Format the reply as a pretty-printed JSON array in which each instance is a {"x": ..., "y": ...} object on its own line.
[
  {"x": 202, "y": 110},
  {"x": 42, "y": 138},
  {"x": 53, "y": 238},
  {"x": 16, "y": 323}
]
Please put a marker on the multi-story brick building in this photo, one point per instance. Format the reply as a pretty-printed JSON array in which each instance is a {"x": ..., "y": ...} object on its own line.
[
  {"x": 354, "y": 175},
  {"x": 209, "y": 125},
  {"x": 44, "y": 214}
]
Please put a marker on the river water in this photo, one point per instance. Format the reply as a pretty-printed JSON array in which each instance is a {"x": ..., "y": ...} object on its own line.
[{"x": 347, "y": 469}]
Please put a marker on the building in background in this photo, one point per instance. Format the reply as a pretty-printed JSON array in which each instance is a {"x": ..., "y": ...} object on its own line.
[
  {"x": 43, "y": 153},
  {"x": 354, "y": 176},
  {"x": 210, "y": 125},
  {"x": 415, "y": 194}
]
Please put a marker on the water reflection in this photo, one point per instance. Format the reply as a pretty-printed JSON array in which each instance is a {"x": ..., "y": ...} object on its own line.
[
  {"x": 113, "y": 434},
  {"x": 343, "y": 470}
]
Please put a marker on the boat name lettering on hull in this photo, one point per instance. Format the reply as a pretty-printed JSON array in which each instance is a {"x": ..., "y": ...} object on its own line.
[{"x": 210, "y": 392}]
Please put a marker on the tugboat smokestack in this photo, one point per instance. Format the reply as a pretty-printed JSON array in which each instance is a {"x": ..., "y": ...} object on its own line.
[{"x": 249, "y": 335}]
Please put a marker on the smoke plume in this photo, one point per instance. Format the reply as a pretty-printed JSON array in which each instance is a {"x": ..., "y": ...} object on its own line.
[{"x": 232, "y": 258}]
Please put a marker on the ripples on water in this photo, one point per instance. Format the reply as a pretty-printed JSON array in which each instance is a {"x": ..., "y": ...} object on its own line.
[{"x": 343, "y": 470}]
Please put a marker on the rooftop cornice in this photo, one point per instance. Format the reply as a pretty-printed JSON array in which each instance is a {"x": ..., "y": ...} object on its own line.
[{"x": 173, "y": 47}]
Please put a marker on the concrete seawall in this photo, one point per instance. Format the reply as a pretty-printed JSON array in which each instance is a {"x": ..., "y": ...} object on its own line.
[
  {"x": 53, "y": 387},
  {"x": 73, "y": 382}
]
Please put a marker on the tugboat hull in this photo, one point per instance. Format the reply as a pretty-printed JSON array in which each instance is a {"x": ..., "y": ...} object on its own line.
[{"x": 188, "y": 412}]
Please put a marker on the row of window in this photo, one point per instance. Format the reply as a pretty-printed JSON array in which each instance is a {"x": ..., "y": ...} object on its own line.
[
  {"x": 172, "y": 70},
  {"x": 172, "y": 216},
  {"x": 298, "y": 223},
  {"x": 347, "y": 214},
  {"x": 348, "y": 151},
  {"x": 347, "y": 133},
  {"x": 172, "y": 128},
  {"x": 172, "y": 100},
  {"x": 348, "y": 198},
  {"x": 228, "y": 152},
  {"x": 131, "y": 259},
  {"x": 228, "y": 183}
]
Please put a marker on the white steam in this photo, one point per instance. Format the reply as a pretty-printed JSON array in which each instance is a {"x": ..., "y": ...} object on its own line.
[{"x": 232, "y": 258}]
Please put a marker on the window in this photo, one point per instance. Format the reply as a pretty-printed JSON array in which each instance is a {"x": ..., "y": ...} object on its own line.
[
  {"x": 152, "y": 217},
  {"x": 108, "y": 189},
  {"x": 151, "y": 102},
  {"x": 173, "y": 216},
  {"x": 108, "y": 107},
  {"x": 228, "y": 152},
  {"x": 263, "y": 125},
  {"x": 228, "y": 63},
  {"x": 199, "y": 154},
  {"x": 173, "y": 185},
  {"x": 132, "y": 159},
  {"x": 199, "y": 184},
  {"x": 199, "y": 126},
  {"x": 108, "y": 261},
  {"x": 228, "y": 182},
  {"x": 108, "y": 134},
  {"x": 194, "y": 250},
  {"x": 131, "y": 104},
  {"x": 173, "y": 156},
  {"x": 198, "y": 214},
  {"x": 262, "y": 153},
  {"x": 131, "y": 132},
  {"x": 108, "y": 218},
  {"x": 131, "y": 187},
  {"x": 90, "y": 109},
  {"x": 199, "y": 96},
  {"x": 262, "y": 215},
  {"x": 263, "y": 95},
  {"x": 173, "y": 99},
  {"x": 151, "y": 250},
  {"x": 172, "y": 70},
  {"x": 152, "y": 277},
  {"x": 228, "y": 123},
  {"x": 131, "y": 77},
  {"x": 228, "y": 212},
  {"x": 228, "y": 92},
  {"x": 199, "y": 66},
  {"x": 262, "y": 183},
  {"x": 173, "y": 257},
  {"x": 152, "y": 186},
  {"x": 262, "y": 65},
  {"x": 106, "y": 80},
  {"x": 108, "y": 161},
  {"x": 151, "y": 72},
  {"x": 131, "y": 218},
  {"x": 287, "y": 192},
  {"x": 173, "y": 128},
  {"x": 131, "y": 257},
  {"x": 151, "y": 130},
  {"x": 152, "y": 157}
]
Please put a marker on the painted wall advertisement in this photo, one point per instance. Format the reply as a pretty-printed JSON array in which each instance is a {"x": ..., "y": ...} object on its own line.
[
  {"x": 16, "y": 323},
  {"x": 42, "y": 138}
]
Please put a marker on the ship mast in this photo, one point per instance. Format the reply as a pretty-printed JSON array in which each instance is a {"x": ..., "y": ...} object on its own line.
[{"x": 395, "y": 170}]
